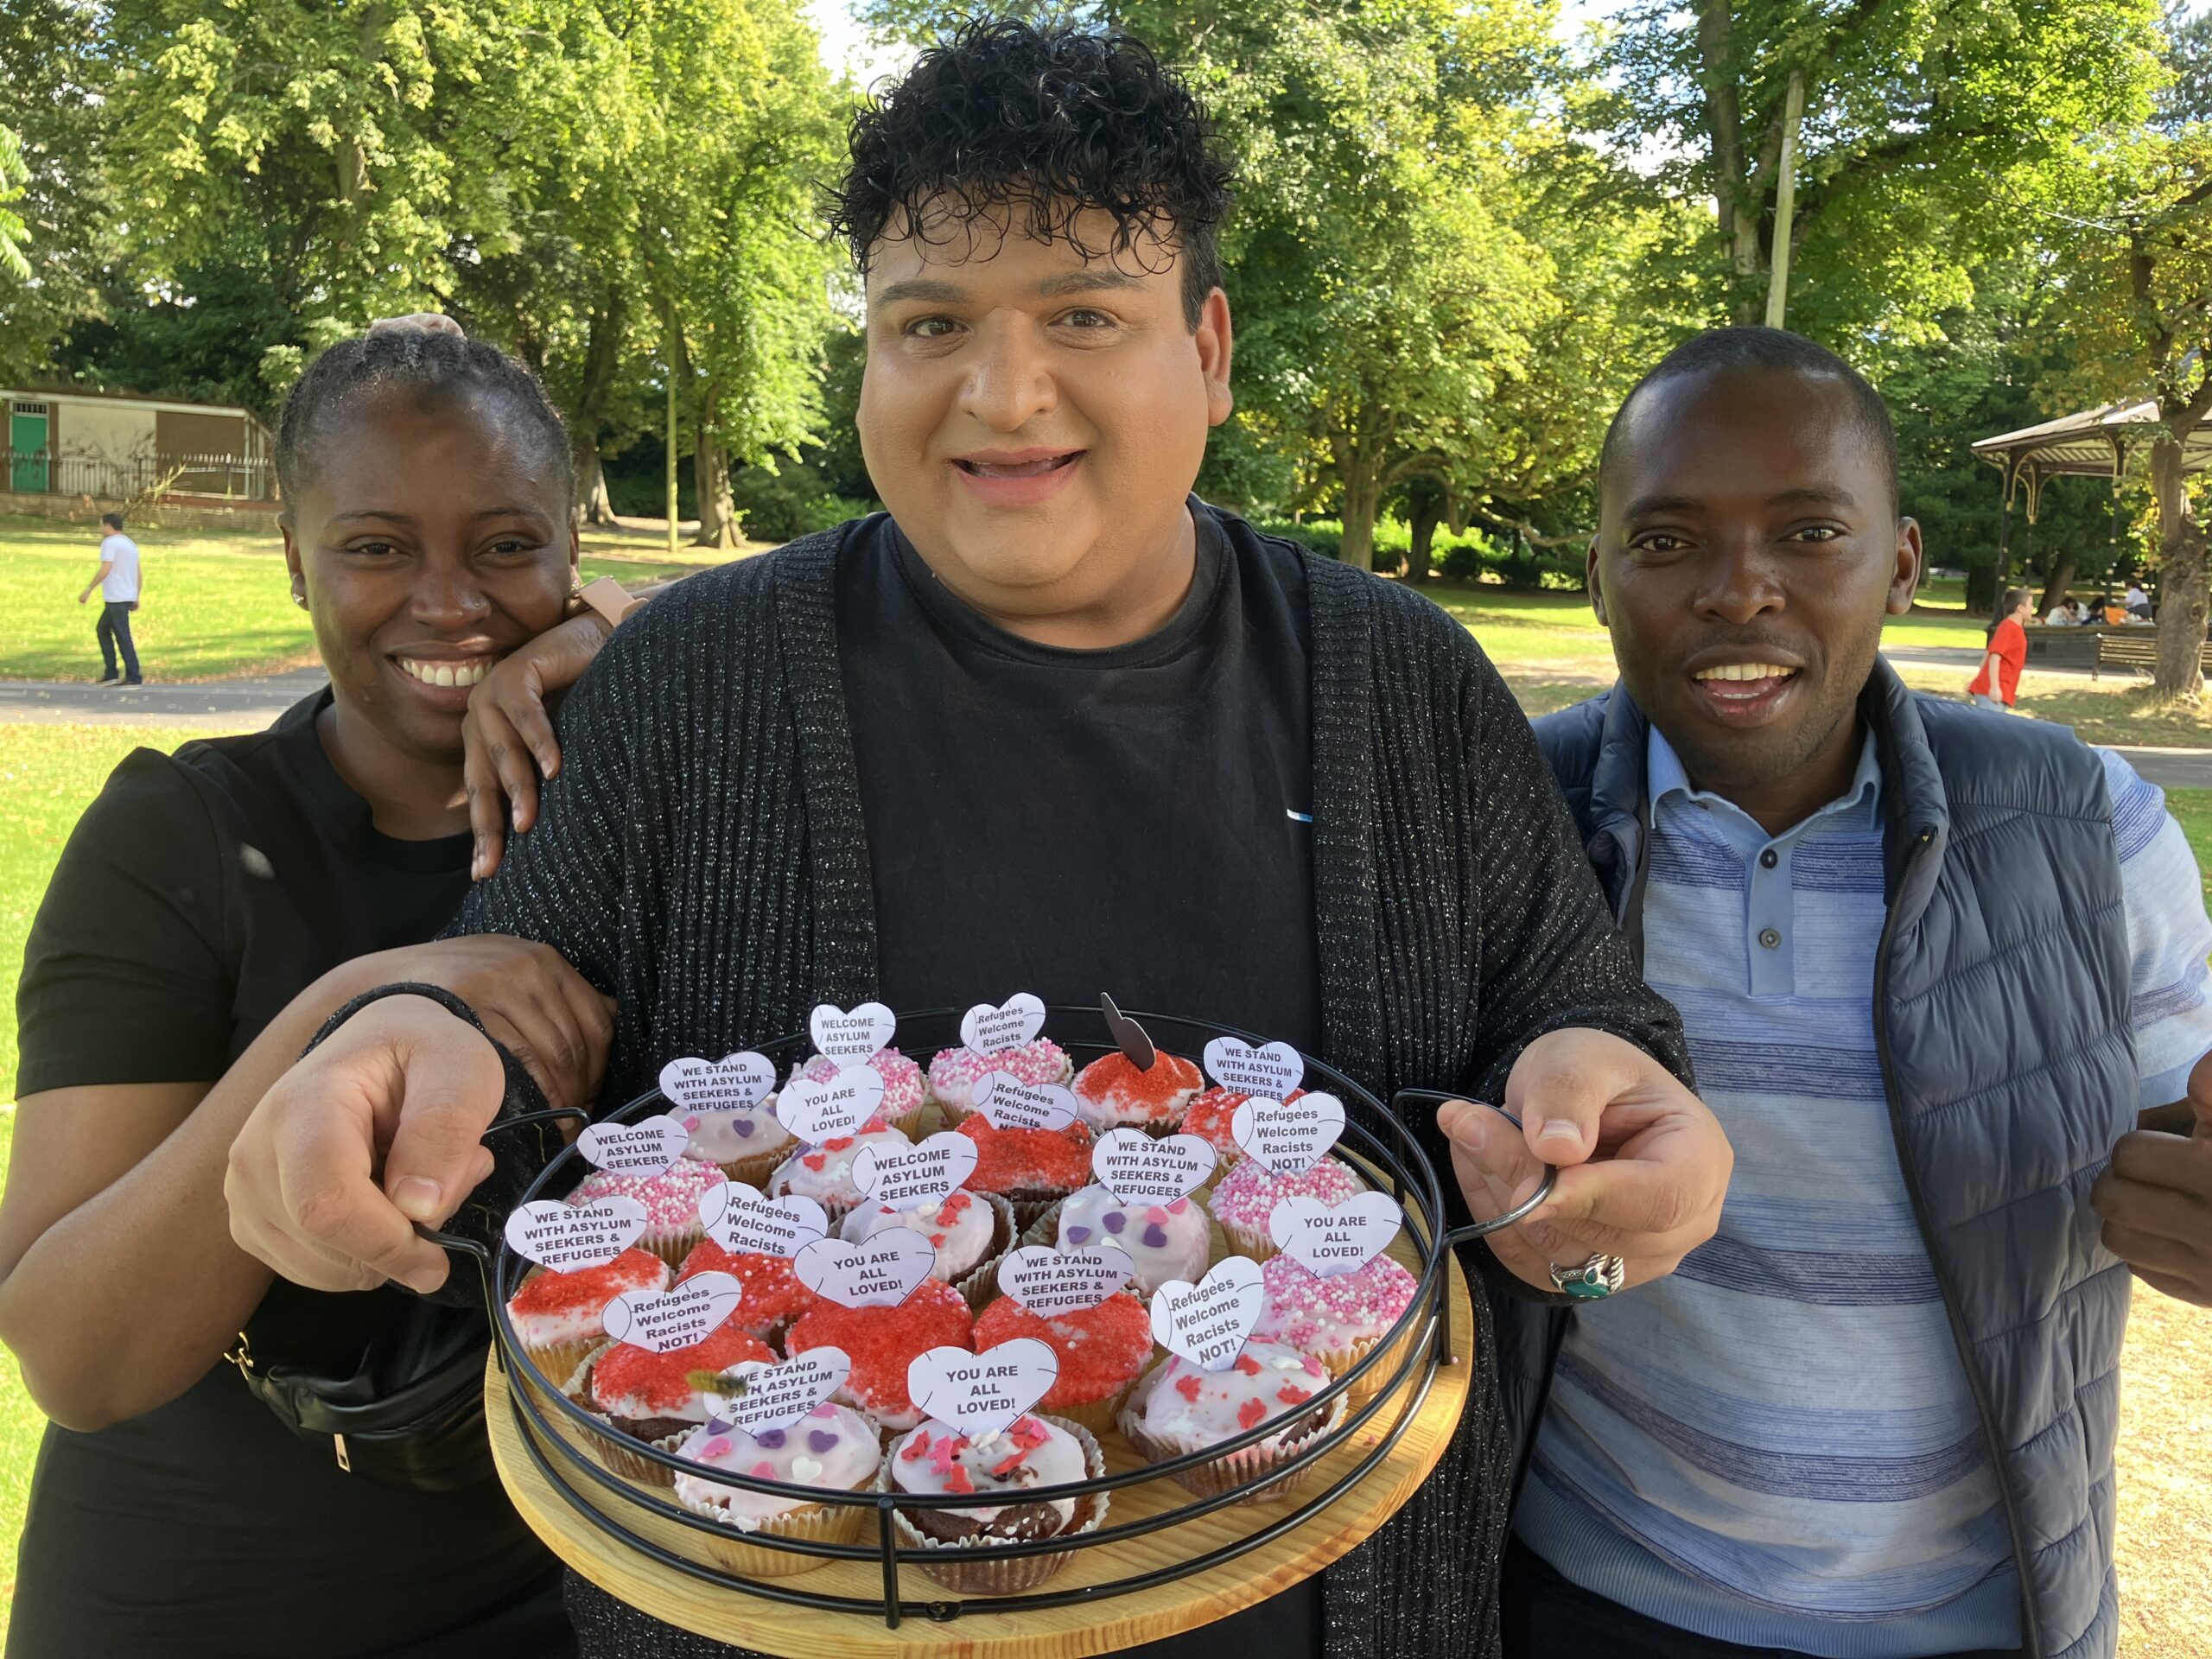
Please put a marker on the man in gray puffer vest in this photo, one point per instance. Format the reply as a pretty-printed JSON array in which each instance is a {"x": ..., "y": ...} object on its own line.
[{"x": 1939, "y": 971}]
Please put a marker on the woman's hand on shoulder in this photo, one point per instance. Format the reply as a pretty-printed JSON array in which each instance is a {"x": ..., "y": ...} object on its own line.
[
  {"x": 508, "y": 732},
  {"x": 532, "y": 1002}
]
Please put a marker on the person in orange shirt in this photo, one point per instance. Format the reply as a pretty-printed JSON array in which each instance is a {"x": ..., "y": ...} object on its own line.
[{"x": 1998, "y": 685}]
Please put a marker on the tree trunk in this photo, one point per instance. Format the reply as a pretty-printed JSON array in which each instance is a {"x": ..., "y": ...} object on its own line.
[
  {"x": 602, "y": 358},
  {"x": 595, "y": 506},
  {"x": 2180, "y": 583},
  {"x": 1724, "y": 119},
  {"x": 1424, "y": 533},
  {"x": 710, "y": 480},
  {"x": 1363, "y": 504},
  {"x": 2056, "y": 584}
]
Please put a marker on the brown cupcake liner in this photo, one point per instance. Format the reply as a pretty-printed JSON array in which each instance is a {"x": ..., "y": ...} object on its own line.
[
  {"x": 672, "y": 1244},
  {"x": 1258, "y": 1246},
  {"x": 820, "y": 1524},
  {"x": 755, "y": 1171},
  {"x": 975, "y": 1568},
  {"x": 1222, "y": 1475},
  {"x": 981, "y": 1282}
]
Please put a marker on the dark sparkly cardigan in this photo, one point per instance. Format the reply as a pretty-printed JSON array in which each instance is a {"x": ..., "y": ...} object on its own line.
[{"x": 702, "y": 857}]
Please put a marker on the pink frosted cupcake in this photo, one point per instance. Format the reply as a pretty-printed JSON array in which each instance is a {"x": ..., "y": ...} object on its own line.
[
  {"x": 1248, "y": 1196},
  {"x": 902, "y": 1087},
  {"x": 1209, "y": 1117},
  {"x": 671, "y": 1201},
  {"x": 1337, "y": 1320},
  {"x": 954, "y": 1071}
]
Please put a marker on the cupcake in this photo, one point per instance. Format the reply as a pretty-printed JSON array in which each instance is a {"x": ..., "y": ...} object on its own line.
[
  {"x": 1166, "y": 1241},
  {"x": 650, "y": 1397},
  {"x": 1030, "y": 1169},
  {"x": 1178, "y": 1408},
  {"x": 953, "y": 1545},
  {"x": 671, "y": 1201},
  {"x": 556, "y": 1316},
  {"x": 824, "y": 1173},
  {"x": 833, "y": 1447},
  {"x": 773, "y": 1295},
  {"x": 902, "y": 1087},
  {"x": 1247, "y": 1195},
  {"x": 1103, "y": 1351},
  {"x": 1335, "y": 1320},
  {"x": 882, "y": 1342},
  {"x": 967, "y": 1228},
  {"x": 1112, "y": 1093},
  {"x": 1209, "y": 1118},
  {"x": 954, "y": 1072},
  {"x": 745, "y": 1144}
]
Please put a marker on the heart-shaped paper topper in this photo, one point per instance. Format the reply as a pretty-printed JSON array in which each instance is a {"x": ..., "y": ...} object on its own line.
[
  {"x": 1208, "y": 1322},
  {"x": 728, "y": 1084},
  {"x": 745, "y": 1222},
  {"x": 1327, "y": 1242},
  {"x": 1274, "y": 1070},
  {"x": 1014, "y": 1022},
  {"x": 756, "y": 1396},
  {"x": 987, "y": 1393},
  {"x": 816, "y": 1112},
  {"x": 907, "y": 1178},
  {"x": 1128, "y": 1035},
  {"x": 879, "y": 1272},
  {"x": 1048, "y": 1282},
  {"x": 1288, "y": 1139},
  {"x": 1007, "y": 1102},
  {"x": 663, "y": 1321},
  {"x": 649, "y": 1146},
  {"x": 1137, "y": 1169},
  {"x": 850, "y": 1039},
  {"x": 569, "y": 1237}
]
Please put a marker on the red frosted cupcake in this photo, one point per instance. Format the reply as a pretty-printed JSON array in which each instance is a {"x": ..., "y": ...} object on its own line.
[
  {"x": 883, "y": 1342},
  {"x": 556, "y": 1316},
  {"x": 1103, "y": 1351},
  {"x": 650, "y": 1397},
  {"x": 773, "y": 1295},
  {"x": 1209, "y": 1118},
  {"x": 1112, "y": 1093},
  {"x": 1030, "y": 1169}
]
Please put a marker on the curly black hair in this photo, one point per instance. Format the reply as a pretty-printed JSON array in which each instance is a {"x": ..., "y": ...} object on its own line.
[
  {"x": 1053, "y": 121},
  {"x": 429, "y": 365}
]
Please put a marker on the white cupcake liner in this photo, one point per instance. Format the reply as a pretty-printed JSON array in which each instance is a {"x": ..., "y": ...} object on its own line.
[
  {"x": 821, "y": 1523},
  {"x": 975, "y": 1567}
]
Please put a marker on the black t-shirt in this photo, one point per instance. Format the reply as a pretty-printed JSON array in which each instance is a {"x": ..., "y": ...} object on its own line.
[
  {"x": 197, "y": 896},
  {"x": 1012, "y": 793}
]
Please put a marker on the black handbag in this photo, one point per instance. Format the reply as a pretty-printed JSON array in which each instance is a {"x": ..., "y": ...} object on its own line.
[{"x": 410, "y": 1413}]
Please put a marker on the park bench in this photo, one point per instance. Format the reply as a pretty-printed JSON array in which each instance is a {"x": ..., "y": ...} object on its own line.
[{"x": 2097, "y": 648}]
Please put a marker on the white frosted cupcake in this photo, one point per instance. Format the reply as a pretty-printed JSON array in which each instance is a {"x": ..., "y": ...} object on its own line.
[
  {"x": 833, "y": 1447},
  {"x": 1166, "y": 1241},
  {"x": 954, "y": 1546},
  {"x": 745, "y": 1144},
  {"x": 1178, "y": 1408},
  {"x": 967, "y": 1229},
  {"x": 557, "y": 1317},
  {"x": 824, "y": 1173}
]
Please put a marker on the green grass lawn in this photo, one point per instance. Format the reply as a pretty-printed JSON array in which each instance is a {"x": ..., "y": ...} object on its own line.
[{"x": 216, "y": 604}]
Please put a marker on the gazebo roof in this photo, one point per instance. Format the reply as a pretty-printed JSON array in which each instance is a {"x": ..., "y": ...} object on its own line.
[{"x": 2088, "y": 444}]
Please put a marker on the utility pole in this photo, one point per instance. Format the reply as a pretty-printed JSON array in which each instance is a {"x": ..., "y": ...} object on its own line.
[
  {"x": 1785, "y": 201},
  {"x": 671, "y": 452}
]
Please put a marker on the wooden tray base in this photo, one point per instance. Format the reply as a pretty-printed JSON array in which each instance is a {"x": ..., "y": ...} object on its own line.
[{"x": 1069, "y": 1632}]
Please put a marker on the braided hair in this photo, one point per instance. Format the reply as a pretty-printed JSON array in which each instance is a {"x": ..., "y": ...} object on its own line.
[{"x": 438, "y": 369}]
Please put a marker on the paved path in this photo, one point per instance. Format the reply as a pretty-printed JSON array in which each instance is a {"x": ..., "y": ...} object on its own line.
[{"x": 242, "y": 705}]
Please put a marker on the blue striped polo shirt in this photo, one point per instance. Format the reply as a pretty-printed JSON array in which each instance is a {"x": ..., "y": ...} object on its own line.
[{"x": 1777, "y": 1446}]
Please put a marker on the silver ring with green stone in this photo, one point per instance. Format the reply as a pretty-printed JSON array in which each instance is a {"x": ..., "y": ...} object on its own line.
[{"x": 1600, "y": 1276}]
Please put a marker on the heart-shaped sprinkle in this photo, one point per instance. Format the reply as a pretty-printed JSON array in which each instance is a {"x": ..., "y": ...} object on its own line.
[
  {"x": 663, "y": 1321},
  {"x": 1209, "y": 1322},
  {"x": 1327, "y": 1242},
  {"x": 1079, "y": 1234},
  {"x": 1115, "y": 1221},
  {"x": 986, "y": 1393},
  {"x": 772, "y": 1399},
  {"x": 737, "y": 1080},
  {"x": 1288, "y": 1140},
  {"x": 830, "y": 1110},
  {"x": 1154, "y": 1236},
  {"x": 821, "y": 1439},
  {"x": 1007, "y": 1102},
  {"x": 1137, "y": 1169},
  {"x": 649, "y": 1146},
  {"x": 805, "y": 1469},
  {"x": 1272, "y": 1069},
  {"x": 1017, "y": 1020},
  {"x": 568, "y": 1239},
  {"x": 881, "y": 1271},
  {"x": 1048, "y": 1281},
  {"x": 745, "y": 1222},
  {"x": 849, "y": 1038},
  {"x": 915, "y": 1177}
]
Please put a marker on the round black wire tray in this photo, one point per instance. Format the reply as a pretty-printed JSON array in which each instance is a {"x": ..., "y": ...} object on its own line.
[{"x": 644, "y": 1534}]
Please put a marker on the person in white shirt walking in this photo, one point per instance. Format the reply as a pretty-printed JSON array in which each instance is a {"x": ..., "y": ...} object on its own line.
[{"x": 119, "y": 586}]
